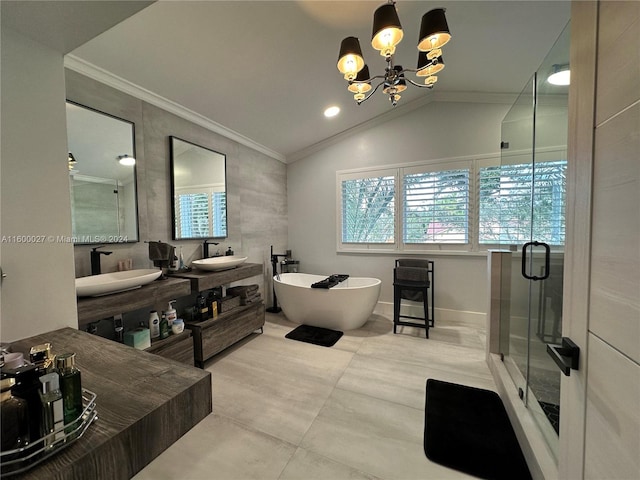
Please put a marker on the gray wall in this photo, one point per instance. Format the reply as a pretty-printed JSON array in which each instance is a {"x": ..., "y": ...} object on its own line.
[
  {"x": 256, "y": 184},
  {"x": 438, "y": 130}
]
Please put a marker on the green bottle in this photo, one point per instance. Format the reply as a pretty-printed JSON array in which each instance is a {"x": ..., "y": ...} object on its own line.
[{"x": 71, "y": 388}]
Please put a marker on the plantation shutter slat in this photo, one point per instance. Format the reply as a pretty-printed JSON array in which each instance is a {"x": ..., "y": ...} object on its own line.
[
  {"x": 368, "y": 210},
  {"x": 505, "y": 203},
  {"x": 436, "y": 207}
]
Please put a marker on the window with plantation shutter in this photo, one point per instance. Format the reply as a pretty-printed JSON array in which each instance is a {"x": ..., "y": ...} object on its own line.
[
  {"x": 201, "y": 213},
  {"x": 505, "y": 193},
  {"x": 368, "y": 209},
  {"x": 435, "y": 205}
]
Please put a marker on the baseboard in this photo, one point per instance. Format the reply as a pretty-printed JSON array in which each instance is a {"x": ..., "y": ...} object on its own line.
[
  {"x": 540, "y": 459},
  {"x": 450, "y": 317}
]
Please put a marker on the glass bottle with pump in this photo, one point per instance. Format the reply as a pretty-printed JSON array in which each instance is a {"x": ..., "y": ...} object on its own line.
[
  {"x": 27, "y": 387},
  {"x": 15, "y": 423},
  {"x": 52, "y": 408},
  {"x": 71, "y": 388}
]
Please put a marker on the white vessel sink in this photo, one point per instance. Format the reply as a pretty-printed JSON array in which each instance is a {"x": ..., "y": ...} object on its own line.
[
  {"x": 219, "y": 263},
  {"x": 106, "y": 283}
]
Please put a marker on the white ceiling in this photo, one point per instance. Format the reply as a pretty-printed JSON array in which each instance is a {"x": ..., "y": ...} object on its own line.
[{"x": 267, "y": 70}]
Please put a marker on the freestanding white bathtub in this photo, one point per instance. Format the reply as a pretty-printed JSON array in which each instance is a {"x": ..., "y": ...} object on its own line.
[{"x": 346, "y": 306}]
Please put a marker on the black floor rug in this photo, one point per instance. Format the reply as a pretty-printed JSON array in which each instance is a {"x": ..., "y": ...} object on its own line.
[
  {"x": 468, "y": 429},
  {"x": 316, "y": 335}
]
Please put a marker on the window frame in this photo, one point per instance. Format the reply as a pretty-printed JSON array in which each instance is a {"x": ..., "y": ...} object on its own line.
[{"x": 473, "y": 162}]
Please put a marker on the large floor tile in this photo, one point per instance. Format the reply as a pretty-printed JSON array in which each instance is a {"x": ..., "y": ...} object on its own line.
[
  {"x": 311, "y": 466},
  {"x": 400, "y": 382},
  {"x": 375, "y": 436},
  {"x": 220, "y": 448}
]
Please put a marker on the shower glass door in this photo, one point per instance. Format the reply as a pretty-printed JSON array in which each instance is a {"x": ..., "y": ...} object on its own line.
[{"x": 533, "y": 172}]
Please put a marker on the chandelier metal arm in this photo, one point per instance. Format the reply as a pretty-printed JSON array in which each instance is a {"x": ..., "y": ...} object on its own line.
[
  {"x": 372, "y": 91},
  {"x": 420, "y": 85}
]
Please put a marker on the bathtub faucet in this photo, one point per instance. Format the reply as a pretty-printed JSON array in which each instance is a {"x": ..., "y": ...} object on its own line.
[{"x": 274, "y": 262}]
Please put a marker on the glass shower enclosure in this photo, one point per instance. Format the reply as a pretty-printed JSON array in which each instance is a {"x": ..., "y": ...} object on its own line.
[{"x": 532, "y": 189}]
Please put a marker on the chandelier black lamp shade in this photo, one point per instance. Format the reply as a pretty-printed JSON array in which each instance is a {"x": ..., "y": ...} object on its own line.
[
  {"x": 386, "y": 35},
  {"x": 387, "y": 31},
  {"x": 350, "y": 61},
  {"x": 434, "y": 30},
  {"x": 428, "y": 67}
]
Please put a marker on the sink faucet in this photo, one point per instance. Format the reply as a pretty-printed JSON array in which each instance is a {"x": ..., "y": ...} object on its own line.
[
  {"x": 205, "y": 248},
  {"x": 95, "y": 259}
]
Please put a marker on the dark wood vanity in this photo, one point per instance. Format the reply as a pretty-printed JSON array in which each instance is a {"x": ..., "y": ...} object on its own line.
[
  {"x": 200, "y": 340},
  {"x": 144, "y": 404},
  {"x": 215, "y": 334}
]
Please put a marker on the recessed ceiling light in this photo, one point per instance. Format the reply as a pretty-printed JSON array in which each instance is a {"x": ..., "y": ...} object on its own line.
[
  {"x": 560, "y": 76},
  {"x": 332, "y": 111}
]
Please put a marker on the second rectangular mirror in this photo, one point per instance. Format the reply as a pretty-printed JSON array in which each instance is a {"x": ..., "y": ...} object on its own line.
[{"x": 198, "y": 191}]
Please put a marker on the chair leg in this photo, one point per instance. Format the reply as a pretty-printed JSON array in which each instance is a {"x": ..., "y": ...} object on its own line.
[
  {"x": 425, "y": 303},
  {"x": 396, "y": 308}
]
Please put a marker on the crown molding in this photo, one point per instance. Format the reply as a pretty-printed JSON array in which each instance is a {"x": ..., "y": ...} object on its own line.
[{"x": 90, "y": 70}]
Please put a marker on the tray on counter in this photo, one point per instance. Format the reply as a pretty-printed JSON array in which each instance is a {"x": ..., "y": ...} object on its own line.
[{"x": 20, "y": 460}]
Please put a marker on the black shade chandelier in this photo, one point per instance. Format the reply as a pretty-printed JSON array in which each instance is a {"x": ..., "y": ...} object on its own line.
[{"x": 387, "y": 33}]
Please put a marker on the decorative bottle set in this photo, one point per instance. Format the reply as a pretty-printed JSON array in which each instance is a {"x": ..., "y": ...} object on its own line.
[{"x": 41, "y": 399}]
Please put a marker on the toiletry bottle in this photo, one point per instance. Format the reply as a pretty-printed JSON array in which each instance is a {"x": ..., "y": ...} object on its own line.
[
  {"x": 174, "y": 265},
  {"x": 202, "y": 311},
  {"x": 229, "y": 252},
  {"x": 154, "y": 324},
  {"x": 211, "y": 299},
  {"x": 164, "y": 326},
  {"x": 27, "y": 387},
  {"x": 71, "y": 387},
  {"x": 52, "y": 409},
  {"x": 15, "y": 422},
  {"x": 181, "y": 265},
  {"x": 171, "y": 313}
]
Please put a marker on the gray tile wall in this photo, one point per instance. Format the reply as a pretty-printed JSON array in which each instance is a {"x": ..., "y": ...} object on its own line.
[{"x": 256, "y": 183}]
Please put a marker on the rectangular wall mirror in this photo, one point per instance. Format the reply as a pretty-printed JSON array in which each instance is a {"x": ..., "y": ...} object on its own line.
[
  {"x": 198, "y": 191},
  {"x": 102, "y": 177}
]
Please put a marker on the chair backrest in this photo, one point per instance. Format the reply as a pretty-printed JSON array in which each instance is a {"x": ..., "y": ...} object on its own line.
[
  {"x": 412, "y": 274},
  {"x": 414, "y": 262}
]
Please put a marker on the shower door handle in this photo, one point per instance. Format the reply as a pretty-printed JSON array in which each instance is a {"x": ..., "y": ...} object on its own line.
[
  {"x": 547, "y": 259},
  {"x": 566, "y": 355}
]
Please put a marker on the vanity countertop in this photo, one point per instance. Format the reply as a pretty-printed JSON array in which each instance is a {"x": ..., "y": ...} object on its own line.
[
  {"x": 205, "y": 279},
  {"x": 144, "y": 404},
  {"x": 95, "y": 308}
]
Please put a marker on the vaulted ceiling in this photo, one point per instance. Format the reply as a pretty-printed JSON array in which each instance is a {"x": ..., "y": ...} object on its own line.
[{"x": 266, "y": 70}]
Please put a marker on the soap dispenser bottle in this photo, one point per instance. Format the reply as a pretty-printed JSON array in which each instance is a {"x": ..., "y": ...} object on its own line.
[
  {"x": 171, "y": 313},
  {"x": 15, "y": 421},
  {"x": 52, "y": 408},
  {"x": 229, "y": 252},
  {"x": 71, "y": 388}
]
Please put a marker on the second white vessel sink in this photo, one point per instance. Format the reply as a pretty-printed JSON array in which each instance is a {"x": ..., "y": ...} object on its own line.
[
  {"x": 219, "y": 263},
  {"x": 107, "y": 283}
]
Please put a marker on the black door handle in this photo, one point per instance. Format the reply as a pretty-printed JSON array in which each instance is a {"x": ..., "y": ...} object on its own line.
[
  {"x": 547, "y": 259},
  {"x": 566, "y": 355}
]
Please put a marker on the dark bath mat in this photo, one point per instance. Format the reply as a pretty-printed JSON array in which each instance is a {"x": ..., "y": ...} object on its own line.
[
  {"x": 468, "y": 429},
  {"x": 316, "y": 335}
]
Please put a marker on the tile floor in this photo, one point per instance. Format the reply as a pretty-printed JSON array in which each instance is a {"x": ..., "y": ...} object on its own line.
[{"x": 283, "y": 409}]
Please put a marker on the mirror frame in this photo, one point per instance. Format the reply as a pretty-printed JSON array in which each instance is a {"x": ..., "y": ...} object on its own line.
[
  {"x": 174, "y": 236},
  {"x": 115, "y": 239}
]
